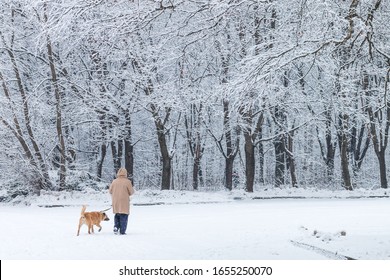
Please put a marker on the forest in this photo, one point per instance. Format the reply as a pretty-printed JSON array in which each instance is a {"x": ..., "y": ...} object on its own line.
[{"x": 194, "y": 94}]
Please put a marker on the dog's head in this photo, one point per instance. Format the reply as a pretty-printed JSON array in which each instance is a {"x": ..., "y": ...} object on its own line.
[{"x": 104, "y": 217}]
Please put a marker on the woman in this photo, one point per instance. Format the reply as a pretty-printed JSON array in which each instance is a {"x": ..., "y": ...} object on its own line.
[{"x": 121, "y": 189}]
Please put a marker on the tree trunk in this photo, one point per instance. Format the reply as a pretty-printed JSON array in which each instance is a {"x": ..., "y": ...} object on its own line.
[
  {"x": 192, "y": 124},
  {"x": 380, "y": 136},
  {"x": 61, "y": 140},
  {"x": 129, "y": 160},
  {"x": 249, "y": 161},
  {"x": 382, "y": 169},
  {"x": 117, "y": 154},
  {"x": 103, "y": 152},
  {"x": 344, "y": 164},
  {"x": 129, "y": 148},
  {"x": 330, "y": 168},
  {"x": 103, "y": 146},
  {"x": 57, "y": 94},
  {"x": 261, "y": 160},
  {"x": 279, "y": 161},
  {"x": 344, "y": 153},
  {"x": 166, "y": 162},
  {"x": 291, "y": 161},
  {"x": 279, "y": 145},
  {"x": 229, "y": 173},
  {"x": 380, "y": 144},
  {"x": 165, "y": 156},
  {"x": 330, "y": 148},
  {"x": 166, "y": 173},
  {"x": 196, "y": 164},
  {"x": 231, "y": 151},
  {"x": 195, "y": 174}
]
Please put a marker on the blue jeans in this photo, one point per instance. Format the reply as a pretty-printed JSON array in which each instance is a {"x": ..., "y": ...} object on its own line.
[{"x": 120, "y": 222}]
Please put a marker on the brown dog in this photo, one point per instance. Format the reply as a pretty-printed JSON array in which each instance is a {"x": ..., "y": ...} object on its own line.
[{"x": 91, "y": 219}]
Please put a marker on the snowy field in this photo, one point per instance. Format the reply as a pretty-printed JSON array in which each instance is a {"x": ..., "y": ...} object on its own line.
[{"x": 174, "y": 225}]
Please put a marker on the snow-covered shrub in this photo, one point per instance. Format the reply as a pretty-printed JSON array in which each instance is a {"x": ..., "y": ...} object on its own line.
[
  {"x": 13, "y": 189},
  {"x": 80, "y": 180}
]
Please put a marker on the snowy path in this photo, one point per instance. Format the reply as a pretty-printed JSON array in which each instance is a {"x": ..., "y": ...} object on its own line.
[{"x": 261, "y": 229}]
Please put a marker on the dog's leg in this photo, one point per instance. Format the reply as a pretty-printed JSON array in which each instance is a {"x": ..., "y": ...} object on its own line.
[
  {"x": 100, "y": 227},
  {"x": 90, "y": 226},
  {"x": 78, "y": 231}
]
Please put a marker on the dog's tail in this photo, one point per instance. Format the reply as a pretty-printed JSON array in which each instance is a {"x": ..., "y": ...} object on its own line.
[{"x": 83, "y": 210}]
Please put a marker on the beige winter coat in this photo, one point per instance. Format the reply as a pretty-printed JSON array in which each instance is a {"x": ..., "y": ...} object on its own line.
[{"x": 121, "y": 189}]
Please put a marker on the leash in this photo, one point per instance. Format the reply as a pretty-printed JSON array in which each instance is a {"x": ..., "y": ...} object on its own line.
[{"x": 105, "y": 209}]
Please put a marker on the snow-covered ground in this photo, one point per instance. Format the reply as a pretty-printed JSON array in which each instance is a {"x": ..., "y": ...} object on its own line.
[{"x": 182, "y": 225}]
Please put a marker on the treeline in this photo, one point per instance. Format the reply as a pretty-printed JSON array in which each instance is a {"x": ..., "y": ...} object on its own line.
[{"x": 195, "y": 94}]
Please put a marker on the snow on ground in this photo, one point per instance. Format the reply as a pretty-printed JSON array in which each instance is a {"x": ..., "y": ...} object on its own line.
[{"x": 182, "y": 225}]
